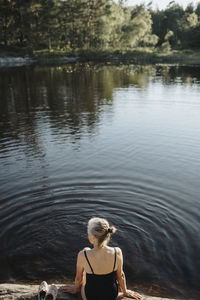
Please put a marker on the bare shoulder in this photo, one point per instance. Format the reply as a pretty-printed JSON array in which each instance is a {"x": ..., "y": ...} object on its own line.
[
  {"x": 119, "y": 251},
  {"x": 81, "y": 253},
  {"x": 81, "y": 256},
  {"x": 86, "y": 248},
  {"x": 119, "y": 254}
]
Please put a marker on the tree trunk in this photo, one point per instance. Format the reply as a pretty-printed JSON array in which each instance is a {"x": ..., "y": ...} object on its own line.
[{"x": 49, "y": 42}]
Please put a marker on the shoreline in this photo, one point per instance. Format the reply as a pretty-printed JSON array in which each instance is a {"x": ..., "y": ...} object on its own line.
[
  {"x": 13, "y": 291},
  {"x": 186, "y": 57}
]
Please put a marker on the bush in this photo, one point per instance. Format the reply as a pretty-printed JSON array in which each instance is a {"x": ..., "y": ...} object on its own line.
[{"x": 165, "y": 47}]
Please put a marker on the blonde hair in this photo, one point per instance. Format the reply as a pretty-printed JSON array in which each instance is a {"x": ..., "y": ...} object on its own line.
[{"x": 100, "y": 229}]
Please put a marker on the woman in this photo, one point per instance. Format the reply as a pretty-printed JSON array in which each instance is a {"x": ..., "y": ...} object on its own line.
[{"x": 102, "y": 265}]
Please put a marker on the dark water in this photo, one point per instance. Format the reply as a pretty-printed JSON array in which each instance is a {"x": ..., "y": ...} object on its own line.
[{"x": 120, "y": 142}]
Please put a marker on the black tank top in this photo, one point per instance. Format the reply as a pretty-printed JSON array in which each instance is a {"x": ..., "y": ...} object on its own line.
[{"x": 101, "y": 286}]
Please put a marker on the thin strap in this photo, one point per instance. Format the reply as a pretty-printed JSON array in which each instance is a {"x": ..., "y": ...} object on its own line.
[
  {"x": 88, "y": 261},
  {"x": 114, "y": 260}
]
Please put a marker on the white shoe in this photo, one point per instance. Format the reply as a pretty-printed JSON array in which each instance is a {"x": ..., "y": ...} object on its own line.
[
  {"x": 52, "y": 293},
  {"x": 42, "y": 290}
]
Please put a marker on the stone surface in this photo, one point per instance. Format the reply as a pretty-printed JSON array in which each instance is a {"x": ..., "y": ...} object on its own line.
[{"x": 29, "y": 292}]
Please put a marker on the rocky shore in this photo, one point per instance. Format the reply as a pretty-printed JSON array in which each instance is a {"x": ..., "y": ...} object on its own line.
[
  {"x": 29, "y": 292},
  {"x": 11, "y": 61},
  {"x": 134, "y": 57}
]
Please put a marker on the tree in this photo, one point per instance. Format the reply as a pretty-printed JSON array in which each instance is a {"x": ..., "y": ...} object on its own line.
[
  {"x": 6, "y": 21},
  {"x": 70, "y": 23},
  {"x": 187, "y": 24},
  {"x": 48, "y": 23},
  {"x": 137, "y": 28}
]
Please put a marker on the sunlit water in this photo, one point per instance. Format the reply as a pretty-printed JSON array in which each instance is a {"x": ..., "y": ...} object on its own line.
[{"x": 120, "y": 142}]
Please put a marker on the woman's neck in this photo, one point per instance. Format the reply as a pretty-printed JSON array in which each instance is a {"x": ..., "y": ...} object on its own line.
[{"x": 97, "y": 247}]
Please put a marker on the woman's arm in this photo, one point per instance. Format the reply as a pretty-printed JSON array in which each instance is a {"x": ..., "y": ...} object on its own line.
[
  {"x": 74, "y": 288},
  {"x": 120, "y": 273},
  {"x": 122, "y": 279},
  {"x": 79, "y": 273},
  {"x": 83, "y": 286}
]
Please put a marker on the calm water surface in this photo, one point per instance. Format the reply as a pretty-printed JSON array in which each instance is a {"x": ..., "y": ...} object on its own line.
[{"x": 121, "y": 142}]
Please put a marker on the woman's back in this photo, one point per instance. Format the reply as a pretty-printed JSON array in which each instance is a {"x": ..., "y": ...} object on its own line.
[
  {"x": 102, "y": 261},
  {"x": 101, "y": 278}
]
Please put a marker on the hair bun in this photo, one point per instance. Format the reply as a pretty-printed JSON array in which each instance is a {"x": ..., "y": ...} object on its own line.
[{"x": 111, "y": 229}]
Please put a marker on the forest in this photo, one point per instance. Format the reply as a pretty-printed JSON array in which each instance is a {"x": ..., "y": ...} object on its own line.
[{"x": 75, "y": 26}]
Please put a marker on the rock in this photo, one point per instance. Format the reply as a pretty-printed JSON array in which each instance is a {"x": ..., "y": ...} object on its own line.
[
  {"x": 70, "y": 59},
  {"x": 29, "y": 292},
  {"x": 10, "y": 61}
]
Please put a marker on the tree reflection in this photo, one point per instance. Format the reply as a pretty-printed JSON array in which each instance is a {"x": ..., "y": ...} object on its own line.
[{"x": 70, "y": 98}]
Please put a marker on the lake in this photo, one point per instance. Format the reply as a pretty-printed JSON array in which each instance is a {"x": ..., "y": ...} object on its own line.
[{"x": 115, "y": 141}]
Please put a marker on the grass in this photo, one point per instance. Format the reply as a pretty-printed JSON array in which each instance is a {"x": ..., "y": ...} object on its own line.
[{"x": 139, "y": 55}]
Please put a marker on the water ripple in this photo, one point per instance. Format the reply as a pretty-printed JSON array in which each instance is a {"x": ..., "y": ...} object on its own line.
[{"x": 127, "y": 151}]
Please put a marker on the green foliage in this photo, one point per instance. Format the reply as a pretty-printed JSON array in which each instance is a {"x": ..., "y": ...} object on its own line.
[
  {"x": 137, "y": 28},
  {"x": 177, "y": 26},
  {"x": 82, "y": 26},
  {"x": 169, "y": 35},
  {"x": 165, "y": 47}
]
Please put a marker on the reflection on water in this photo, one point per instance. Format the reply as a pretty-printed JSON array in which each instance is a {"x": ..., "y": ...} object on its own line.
[
  {"x": 72, "y": 97},
  {"x": 120, "y": 142}
]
